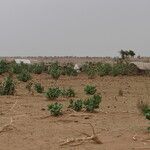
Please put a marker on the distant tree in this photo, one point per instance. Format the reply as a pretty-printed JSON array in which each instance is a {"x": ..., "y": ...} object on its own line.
[
  {"x": 122, "y": 53},
  {"x": 131, "y": 53},
  {"x": 125, "y": 54}
]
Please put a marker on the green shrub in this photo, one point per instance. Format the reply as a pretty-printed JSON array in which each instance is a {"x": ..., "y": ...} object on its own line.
[
  {"x": 92, "y": 103},
  {"x": 76, "y": 105},
  {"x": 53, "y": 93},
  {"x": 37, "y": 68},
  {"x": 55, "y": 109},
  {"x": 68, "y": 92},
  {"x": 3, "y": 66},
  {"x": 89, "y": 89},
  {"x": 89, "y": 68},
  {"x": 104, "y": 69},
  {"x": 119, "y": 69},
  {"x": 124, "y": 69},
  {"x": 16, "y": 68},
  {"x": 147, "y": 115},
  {"x": 7, "y": 87},
  {"x": 69, "y": 70},
  {"x": 55, "y": 70},
  {"x": 24, "y": 76},
  {"x": 145, "y": 109},
  {"x": 44, "y": 67},
  {"x": 26, "y": 67},
  {"x": 38, "y": 88}
]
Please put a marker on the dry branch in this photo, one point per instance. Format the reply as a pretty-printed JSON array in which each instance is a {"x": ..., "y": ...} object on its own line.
[
  {"x": 7, "y": 127},
  {"x": 141, "y": 148},
  {"x": 79, "y": 141}
]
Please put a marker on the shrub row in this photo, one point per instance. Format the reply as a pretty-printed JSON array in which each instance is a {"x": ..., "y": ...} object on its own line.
[
  {"x": 53, "y": 93},
  {"x": 89, "y": 105},
  {"x": 103, "y": 69},
  {"x": 56, "y": 70}
]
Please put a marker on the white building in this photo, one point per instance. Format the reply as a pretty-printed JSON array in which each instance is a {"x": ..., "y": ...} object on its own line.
[
  {"x": 25, "y": 61},
  {"x": 77, "y": 68},
  {"x": 142, "y": 65}
]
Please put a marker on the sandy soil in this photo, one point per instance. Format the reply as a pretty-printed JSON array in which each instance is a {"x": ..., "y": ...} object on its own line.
[{"x": 118, "y": 123}]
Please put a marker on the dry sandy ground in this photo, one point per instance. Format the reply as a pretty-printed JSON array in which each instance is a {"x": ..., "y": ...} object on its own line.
[{"x": 116, "y": 122}]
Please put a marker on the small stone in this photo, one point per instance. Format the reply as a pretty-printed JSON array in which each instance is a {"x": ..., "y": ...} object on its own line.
[
  {"x": 43, "y": 109},
  {"x": 86, "y": 118}
]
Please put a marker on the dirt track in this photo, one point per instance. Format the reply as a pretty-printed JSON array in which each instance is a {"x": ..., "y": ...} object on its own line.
[{"x": 116, "y": 122}]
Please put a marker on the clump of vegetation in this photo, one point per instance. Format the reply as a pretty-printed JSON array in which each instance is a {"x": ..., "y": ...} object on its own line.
[
  {"x": 69, "y": 70},
  {"x": 143, "y": 107},
  {"x": 16, "y": 68},
  {"x": 55, "y": 109},
  {"x": 53, "y": 93},
  {"x": 120, "y": 93},
  {"x": 90, "y": 69},
  {"x": 76, "y": 105},
  {"x": 7, "y": 87},
  {"x": 90, "y": 89},
  {"x": 55, "y": 70},
  {"x": 68, "y": 92},
  {"x": 125, "y": 54},
  {"x": 3, "y": 66},
  {"x": 104, "y": 69},
  {"x": 145, "y": 110},
  {"x": 92, "y": 103},
  {"x": 24, "y": 76},
  {"x": 119, "y": 69},
  {"x": 37, "y": 68},
  {"x": 38, "y": 88},
  {"x": 124, "y": 69}
]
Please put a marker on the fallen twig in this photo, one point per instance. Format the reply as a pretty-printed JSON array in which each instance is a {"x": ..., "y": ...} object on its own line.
[
  {"x": 79, "y": 114},
  {"x": 7, "y": 127},
  {"x": 79, "y": 141},
  {"x": 141, "y": 148}
]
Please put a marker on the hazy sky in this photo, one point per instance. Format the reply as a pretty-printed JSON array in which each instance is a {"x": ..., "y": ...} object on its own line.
[{"x": 74, "y": 27}]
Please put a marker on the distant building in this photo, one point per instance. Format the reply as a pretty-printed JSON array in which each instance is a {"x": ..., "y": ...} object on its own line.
[
  {"x": 142, "y": 65},
  {"x": 25, "y": 61},
  {"x": 77, "y": 68}
]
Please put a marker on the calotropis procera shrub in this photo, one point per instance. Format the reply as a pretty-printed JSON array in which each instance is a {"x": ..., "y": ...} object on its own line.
[
  {"x": 145, "y": 110},
  {"x": 55, "y": 70},
  {"x": 68, "y": 92},
  {"x": 38, "y": 88},
  {"x": 90, "y": 89},
  {"x": 92, "y": 103},
  {"x": 37, "y": 68},
  {"x": 76, "y": 105},
  {"x": 55, "y": 109},
  {"x": 53, "y": 93},
  {"x": 104, "y": 69},
  {"x": 3, "y": 66},
  {"x": 69, "y": 70},
  {"x": 89, "y": 68},
  {"x": 7, "y": 87},
  {"x": 16, "y": 68},
  {"x": 24, "y": 76}
]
